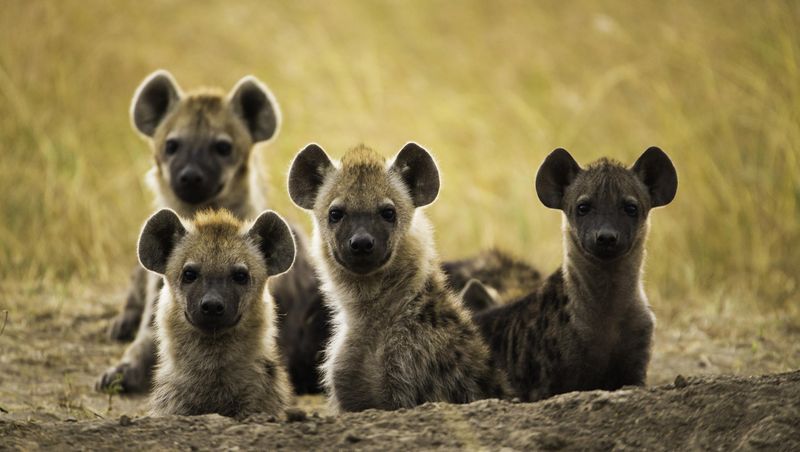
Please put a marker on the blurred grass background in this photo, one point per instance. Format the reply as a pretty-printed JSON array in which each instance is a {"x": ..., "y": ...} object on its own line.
[{"x": 489, "y": 87}]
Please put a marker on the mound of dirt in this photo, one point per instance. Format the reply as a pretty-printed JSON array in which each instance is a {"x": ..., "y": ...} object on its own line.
[{"x": 711, "y": 412}]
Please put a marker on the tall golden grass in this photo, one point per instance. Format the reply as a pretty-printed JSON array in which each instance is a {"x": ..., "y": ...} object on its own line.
[{"x": 489, "y": 87}]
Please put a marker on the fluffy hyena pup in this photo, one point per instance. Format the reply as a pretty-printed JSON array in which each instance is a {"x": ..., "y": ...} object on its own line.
[
  {"x": 589, "y": 325},
  {"x": 401, "y": 337},
  {"x": 204, "y": 157},
  {"x": 215, "y": 321}
]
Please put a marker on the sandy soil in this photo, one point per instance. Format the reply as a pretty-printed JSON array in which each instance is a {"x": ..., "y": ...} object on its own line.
[
  {"x": 53, "y": 346},
  {"x": 720, "y": 413}
]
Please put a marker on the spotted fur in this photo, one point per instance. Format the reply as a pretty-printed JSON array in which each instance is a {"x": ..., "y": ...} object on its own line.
[{"x": 589, "y": 325}]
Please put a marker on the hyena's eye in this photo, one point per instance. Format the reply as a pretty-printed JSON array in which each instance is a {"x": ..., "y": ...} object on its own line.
[
  {"x": 223, "y": 148},
  {"x": 240, "y": 277},
  {"x": 583, "y": 209},
  {"x": 335, "y": 215},
  {"x": 631, "y": 209},
  {"x": 389, "y": 214},
  {"x": 171, "y": 146},
  {"x": 189, "y": 276}
]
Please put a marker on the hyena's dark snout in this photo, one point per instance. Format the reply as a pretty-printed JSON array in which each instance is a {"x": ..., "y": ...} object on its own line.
[
  {"x": 212, "y": 306},
  {"x": 362, "y": 243},
  {"x": 606, "y": 243},
  {"x": 362, "y": 250},
  {"x": 195, "y": 183},
  {"x": 214, "y": 313},
  {"x": 191, "y": 178},
  {"x": 606, "y": 238}
]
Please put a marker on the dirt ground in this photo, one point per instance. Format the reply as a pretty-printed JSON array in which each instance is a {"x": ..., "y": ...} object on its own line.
[
  {"x": 53, "y": 346},
  {"x": 715, "y": 413}
]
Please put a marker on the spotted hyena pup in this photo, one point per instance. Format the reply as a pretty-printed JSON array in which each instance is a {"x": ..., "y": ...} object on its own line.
[
  {"x": 589, "y": 325},
  {"x": 491, "y": 278},
  {"x": 204, "y": 155},
  {"x": 401, "y": 337},
  {"x": 215, "y": 325}
]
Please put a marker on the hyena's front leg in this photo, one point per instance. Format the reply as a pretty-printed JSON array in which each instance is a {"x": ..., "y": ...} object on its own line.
[
  {"x": 629, "y": 366},
  {"x": 124, "y": 325},
  {"x": 132, "y": 373}
]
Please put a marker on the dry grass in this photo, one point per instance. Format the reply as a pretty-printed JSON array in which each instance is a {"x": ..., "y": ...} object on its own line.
[{"x": 489, "y": 87}]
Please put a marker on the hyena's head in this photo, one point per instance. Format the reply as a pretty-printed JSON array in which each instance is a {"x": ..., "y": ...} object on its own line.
[
  {"x": 363, "y": 207},
  {"x": 606, "y": 204},
  {"x": 216, "y": 267},
  {"x": 202, "y": 140}
]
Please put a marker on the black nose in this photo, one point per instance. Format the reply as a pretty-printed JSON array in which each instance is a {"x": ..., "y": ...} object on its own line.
[
  {"x": 606, "y": 238},
  {"x": 212, "y": 306},
  {"x": 191, "y": 177},
  {"x": 362, "y": 243}
]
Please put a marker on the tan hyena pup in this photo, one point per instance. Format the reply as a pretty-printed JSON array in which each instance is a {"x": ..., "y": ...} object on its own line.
[
  {"x": 589, "y": 325},
  {"x": 215, "y": 321},
  {"x": 203, "y": 150},
  {"x": 401, "y": 337}
]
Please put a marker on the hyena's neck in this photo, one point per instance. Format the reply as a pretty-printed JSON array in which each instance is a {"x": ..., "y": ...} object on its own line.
[
  {"x": 387, "y": 292},
  {"x": 600, "y": 290}
]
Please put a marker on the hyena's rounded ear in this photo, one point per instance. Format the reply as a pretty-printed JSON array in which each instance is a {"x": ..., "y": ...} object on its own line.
[
  {"x": 158, "y": 239},
  {"x": 275, "y": 241},
  {"x": 255, "y": 105},
  {"x": 418, "y": 170},
  {"x": 556, "y": 173},
  {"x": 307, "y": 174},
  {"x": 658, "y": 173},
  {"x": 477, "y": 297},
  {"x": 154, "y": 98}
]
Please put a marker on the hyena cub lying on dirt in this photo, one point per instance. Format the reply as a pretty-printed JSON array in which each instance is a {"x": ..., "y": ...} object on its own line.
[
  {"x": 215, "y": 321},
  {"x": 401, "y": 337},
  {"x": 589, "y": 325},
  {"x": 490, "y": 278}
]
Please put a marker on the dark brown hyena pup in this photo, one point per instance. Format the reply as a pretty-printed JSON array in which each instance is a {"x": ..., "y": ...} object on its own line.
[
  {"x": 490, "y": 278},
  {"x": 215, "y": 324},
  {"x": 401, "y": 337},
  {"x": 589, "y": 325},
  {"x": 203, "y": 149}
]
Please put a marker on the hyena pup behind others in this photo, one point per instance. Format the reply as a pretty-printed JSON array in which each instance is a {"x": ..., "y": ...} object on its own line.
[
  {"x": 401, "y": 337},
  {"x": 490, "y": 278},
  {"x": 589, "y": 325},
  {"x": 204, "y": 155},
  {"x": 215, "y": 321}
]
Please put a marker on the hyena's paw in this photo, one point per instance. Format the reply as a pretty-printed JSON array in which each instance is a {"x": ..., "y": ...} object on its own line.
[
  {"x": 123, "y": 327},
  {"x": 123, "y": 378}
]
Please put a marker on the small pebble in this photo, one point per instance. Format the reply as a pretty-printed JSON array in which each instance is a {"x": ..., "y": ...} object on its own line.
[
  {"x": 295, "y": 415},
  {"x": 309, "y": 428},
  {"x": 125, "y": 421},
  {"x": 680, "y": 381},
  {"x": 516, "y": 400},
  {"x": 352, "y": 438},
  {"x": 70, "y": 419}
]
